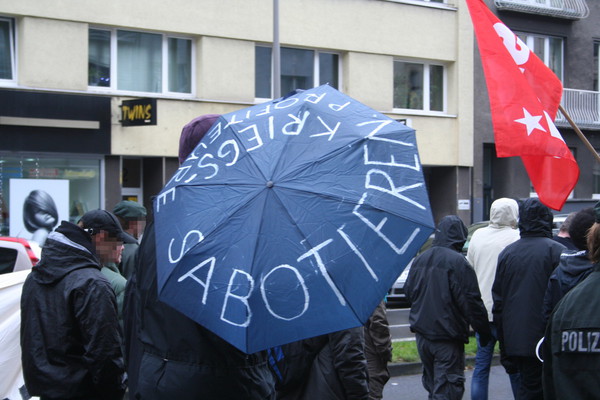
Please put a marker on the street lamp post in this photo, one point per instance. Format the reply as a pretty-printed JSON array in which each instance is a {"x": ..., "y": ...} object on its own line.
[{"x": 276, "y": 52}]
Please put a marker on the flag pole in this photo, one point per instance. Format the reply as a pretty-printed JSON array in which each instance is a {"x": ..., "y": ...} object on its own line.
[{"x": 579, "y": 133}]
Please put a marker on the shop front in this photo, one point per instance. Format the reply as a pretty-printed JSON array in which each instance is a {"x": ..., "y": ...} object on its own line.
[{"x": 52, "y": 159}]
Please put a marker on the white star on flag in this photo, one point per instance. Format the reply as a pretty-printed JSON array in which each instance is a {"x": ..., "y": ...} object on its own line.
[{"x": 532, "y": 122}]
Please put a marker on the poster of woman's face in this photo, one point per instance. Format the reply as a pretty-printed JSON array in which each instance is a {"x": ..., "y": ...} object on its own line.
[{"x": 37, "y": 206}]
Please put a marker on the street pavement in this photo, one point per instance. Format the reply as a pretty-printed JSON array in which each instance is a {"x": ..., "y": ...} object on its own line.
[
  {"x": 409, "y": 387},
  {"x": 405, "y": 383}
]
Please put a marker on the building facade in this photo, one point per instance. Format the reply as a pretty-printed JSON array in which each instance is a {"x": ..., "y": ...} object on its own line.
[
  {"x": 93, "y": 96},
  {"x": 565, "y": 34}
]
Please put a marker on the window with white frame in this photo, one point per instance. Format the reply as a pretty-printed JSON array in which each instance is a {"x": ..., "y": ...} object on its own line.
[
  {"x": 139, "y": 61},
  {"x": 548, "y": 48},
  {"x": 300, "y": 69},
  {"x": 7, "y": 50},
  {"x": 419, "y": 86}
]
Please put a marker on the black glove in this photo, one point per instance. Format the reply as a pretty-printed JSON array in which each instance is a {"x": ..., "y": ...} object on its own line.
[{"x": 484, "y": 339}]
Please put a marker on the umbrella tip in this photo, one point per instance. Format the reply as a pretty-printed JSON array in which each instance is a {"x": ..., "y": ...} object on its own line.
[{"x": 270, "y": 184}]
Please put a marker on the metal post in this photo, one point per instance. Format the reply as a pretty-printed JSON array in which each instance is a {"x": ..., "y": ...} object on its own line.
[{"x": 276, "y": 52}]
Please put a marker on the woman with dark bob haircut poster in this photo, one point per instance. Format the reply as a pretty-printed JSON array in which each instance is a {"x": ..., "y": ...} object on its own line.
[{"x": 39, "y": 215}]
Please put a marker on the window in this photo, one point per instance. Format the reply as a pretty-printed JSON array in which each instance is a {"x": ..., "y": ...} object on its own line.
[
  {"x": 84, "y": 176},
  {"x": 596, "y": 67},
  {"x": 7, "y": 51},
  {"x": 300, "y": 69},
  {"x": 139, "y": 61},
  {"x": 548, "y": 49},
  {"x": 419, "y": 86}
]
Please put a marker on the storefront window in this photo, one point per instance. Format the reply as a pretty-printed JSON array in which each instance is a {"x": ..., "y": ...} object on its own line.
[{"x": 37, "y": 193}]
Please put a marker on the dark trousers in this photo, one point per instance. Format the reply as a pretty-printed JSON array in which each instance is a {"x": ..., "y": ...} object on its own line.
[
  {"x": 531, "y": 370},
  {"x": 443, "y": 368}
]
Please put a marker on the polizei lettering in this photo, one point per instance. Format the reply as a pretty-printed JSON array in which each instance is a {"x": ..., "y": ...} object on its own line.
[{"x": 580, "y": 342}]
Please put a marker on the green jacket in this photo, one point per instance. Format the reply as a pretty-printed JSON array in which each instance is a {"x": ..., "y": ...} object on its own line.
[
  {"x": 571, "y": 350},
  {"x": 118, "y": 283}
]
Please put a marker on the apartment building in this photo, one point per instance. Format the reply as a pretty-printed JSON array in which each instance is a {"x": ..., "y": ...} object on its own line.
[
  {"x": 565, "y": 34},
  {"x": 93, "y": 95}
]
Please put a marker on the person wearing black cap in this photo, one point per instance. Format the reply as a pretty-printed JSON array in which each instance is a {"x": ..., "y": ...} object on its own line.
[
  {"x": 169, "y": 356},
  {"x": 571, "y": 349},
  {"x": 132, "y": 216},
  {"x": 70, "y": 336}
]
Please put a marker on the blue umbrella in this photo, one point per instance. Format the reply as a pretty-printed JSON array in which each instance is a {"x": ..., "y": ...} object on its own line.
[{"x": 291, "y": 219}]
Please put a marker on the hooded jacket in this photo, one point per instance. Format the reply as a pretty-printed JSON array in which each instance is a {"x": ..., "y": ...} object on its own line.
[
  {"x": 443, "y": 290},
  {"x": 574, "y": 267},
  {"x": 70, "y": 337},
  {"x": 172, "y": 357},
  {"x": 524, "y": 268},
  {"x": 487, "y": 243}
]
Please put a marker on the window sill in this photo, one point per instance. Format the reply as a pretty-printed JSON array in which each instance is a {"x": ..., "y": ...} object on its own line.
[
  {"x": 127, "y": 93},
  {"x": 422, "y": 3},
  {"x": 420, "y": 113}
]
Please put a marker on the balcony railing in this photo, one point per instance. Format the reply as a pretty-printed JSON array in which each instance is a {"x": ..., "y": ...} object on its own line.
[
  {"x": 583, "y": 108},
  {"x": 568, "y": 9}
]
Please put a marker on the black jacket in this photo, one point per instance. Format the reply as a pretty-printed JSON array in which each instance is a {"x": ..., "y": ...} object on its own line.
[
  {"x": 524, "y": 268},
  {"x": 442, "y": 288},
  {"x": 574, "y": 267},
  {"x": 70, "y": 335},
  {"x": 338, "y": 370},
  {"x": 172, "y": 357}
]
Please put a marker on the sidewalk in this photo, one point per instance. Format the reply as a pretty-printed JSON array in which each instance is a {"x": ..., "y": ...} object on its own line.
[{"x": 414, "y": 368}]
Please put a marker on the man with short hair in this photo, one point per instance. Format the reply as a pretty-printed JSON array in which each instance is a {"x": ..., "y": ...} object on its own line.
[
  {"x": 563, "y": 237},
  {"x": 70, "y": 336}
]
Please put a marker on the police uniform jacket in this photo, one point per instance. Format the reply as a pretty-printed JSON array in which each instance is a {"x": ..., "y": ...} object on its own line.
[{"x": 572, "y": 344}]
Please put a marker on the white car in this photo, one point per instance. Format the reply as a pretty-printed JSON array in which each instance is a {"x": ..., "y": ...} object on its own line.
[{"x": 17, "y": 254}]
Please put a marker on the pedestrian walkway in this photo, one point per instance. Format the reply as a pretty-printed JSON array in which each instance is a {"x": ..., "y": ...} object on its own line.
[{"x": 409, "y": 387}]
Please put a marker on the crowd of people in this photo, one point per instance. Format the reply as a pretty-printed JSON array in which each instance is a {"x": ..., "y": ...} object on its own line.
[
  {"x": 94, "y": 328},
  {"x": 533, "y": 293}
]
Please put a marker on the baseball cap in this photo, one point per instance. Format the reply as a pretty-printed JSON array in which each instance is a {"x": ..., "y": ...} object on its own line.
[{"x": 101, "y": 220}]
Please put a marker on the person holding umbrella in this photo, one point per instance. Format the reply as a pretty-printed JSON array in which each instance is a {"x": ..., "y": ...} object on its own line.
[{"x": 169, "y": 355}]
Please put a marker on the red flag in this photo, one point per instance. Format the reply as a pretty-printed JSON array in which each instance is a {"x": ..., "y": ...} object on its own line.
[{"x": 524, "y": 98}]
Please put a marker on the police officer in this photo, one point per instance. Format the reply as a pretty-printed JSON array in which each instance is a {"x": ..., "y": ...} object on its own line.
[{"x": 571, "y": 348}]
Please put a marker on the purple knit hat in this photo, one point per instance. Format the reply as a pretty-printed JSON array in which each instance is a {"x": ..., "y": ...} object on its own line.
[{"x": 193, "y": 132}]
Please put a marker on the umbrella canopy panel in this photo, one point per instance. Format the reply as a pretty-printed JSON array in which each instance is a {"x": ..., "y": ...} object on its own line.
[{"x": 291, "y": 219}]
